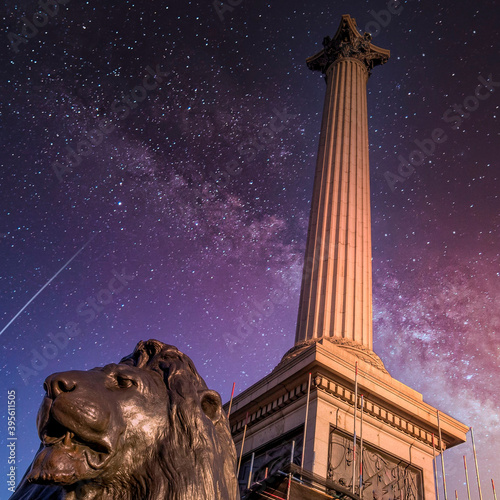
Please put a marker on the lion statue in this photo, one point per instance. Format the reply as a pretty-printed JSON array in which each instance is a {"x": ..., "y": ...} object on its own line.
[{"x": 147, "y": 428}]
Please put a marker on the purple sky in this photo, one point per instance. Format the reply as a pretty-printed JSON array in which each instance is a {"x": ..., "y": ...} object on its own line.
[{"x": 197, "y": 193}]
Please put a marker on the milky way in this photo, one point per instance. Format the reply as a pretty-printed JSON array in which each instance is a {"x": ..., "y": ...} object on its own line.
[{"x": 181, "y": 138}]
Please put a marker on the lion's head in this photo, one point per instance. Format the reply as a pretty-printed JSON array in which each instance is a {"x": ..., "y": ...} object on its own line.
[{"x": 147, "y": 428}]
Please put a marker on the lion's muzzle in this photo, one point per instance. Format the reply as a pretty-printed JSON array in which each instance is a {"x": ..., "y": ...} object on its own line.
[{"x": 79, "y": 428}]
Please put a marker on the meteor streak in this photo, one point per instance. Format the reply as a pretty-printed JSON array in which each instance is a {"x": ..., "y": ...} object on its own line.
[{"x": 46, "y": 285}]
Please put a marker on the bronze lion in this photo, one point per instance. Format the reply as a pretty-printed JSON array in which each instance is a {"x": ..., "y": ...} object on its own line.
[{"x": 147, "y": 428}]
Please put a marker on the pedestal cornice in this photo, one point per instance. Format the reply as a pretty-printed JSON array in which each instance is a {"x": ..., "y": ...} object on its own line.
[{"x": 387, "y": 401}]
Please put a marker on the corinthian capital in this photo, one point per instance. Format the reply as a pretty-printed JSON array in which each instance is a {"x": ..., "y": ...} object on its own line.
[{"x": 348, "y": 43}]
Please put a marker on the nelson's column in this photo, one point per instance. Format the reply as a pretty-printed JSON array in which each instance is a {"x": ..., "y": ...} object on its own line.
[{"x": 395, "y": 428}]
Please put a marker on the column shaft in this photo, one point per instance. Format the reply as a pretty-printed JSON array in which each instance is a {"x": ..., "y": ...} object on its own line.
[{"x": 336, "y": 294}]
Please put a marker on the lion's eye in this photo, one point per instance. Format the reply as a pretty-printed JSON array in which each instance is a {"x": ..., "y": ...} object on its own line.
[{"x": 123, "y": 382}]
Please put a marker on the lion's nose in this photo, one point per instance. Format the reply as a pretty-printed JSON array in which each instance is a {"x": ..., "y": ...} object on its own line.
[{"x": 58, "y": 383}]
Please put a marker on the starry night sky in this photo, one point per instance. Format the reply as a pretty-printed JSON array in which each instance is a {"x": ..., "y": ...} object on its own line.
[{"x": 201, "y": 208}]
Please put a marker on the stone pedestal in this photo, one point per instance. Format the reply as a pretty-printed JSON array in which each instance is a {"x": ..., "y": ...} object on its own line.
[{"x": 397, "y": 424}]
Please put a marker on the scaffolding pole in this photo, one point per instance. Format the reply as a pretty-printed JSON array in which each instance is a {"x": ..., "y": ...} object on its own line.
[
  {"x": 305, "y": 423},
  {"x": 231, "y": 400},
  {"x": 442, "y": 457},
  {"x": 251, "y": 470},
  {"x": 354, "y": 442},
  {"x": 361, "y": 449},
  {"x": 466, "y": 478},
  {"x": 290, "y": 474},
  {"x": 475, "y": 461},
  {"x": 242, "y": 445},
  {"x": 436, "y": 486}
]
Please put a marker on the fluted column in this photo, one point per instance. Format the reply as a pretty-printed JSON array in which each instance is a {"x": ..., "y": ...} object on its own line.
[{"x": 336, "y": 293}]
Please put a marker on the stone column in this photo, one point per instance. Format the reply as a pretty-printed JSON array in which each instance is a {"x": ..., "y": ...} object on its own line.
[{"x": 336, "y": 293}]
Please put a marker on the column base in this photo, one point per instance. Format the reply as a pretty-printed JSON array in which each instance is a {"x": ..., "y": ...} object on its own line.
[{"x": 354, "y": 348}]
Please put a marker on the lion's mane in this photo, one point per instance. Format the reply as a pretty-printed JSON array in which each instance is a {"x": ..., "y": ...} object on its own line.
[{"x": 193, "y": 459}]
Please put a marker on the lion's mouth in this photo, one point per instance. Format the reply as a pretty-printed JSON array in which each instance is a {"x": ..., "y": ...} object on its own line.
[{"x": 56, "y": 435}]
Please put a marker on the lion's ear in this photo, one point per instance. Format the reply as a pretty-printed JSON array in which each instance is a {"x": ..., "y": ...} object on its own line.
[{"x": 211, "y": 404}]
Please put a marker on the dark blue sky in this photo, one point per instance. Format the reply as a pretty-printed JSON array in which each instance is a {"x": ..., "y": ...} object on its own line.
[{"x": 193, "y": 199}]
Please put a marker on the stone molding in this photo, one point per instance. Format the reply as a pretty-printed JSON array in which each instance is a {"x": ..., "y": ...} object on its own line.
[
  {"x": 343, "y": 393},
  {"x": 399, "y": 422},
  {"x": 355, "y": 348},
  {"x": 270, "y": 408}
]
